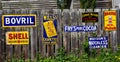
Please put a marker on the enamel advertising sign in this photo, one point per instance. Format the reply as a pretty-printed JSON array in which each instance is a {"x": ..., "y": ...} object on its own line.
[
  {"x": 110, "y": 20},
  {"x": 26, "y": 20},
  {"x": 90, "y": 17},
  {"x": 98, "y": 42},
  {"x": 17, "y": 38},
  {"x": 50, "y": 28},
  {"x": 88, "y": 28}
]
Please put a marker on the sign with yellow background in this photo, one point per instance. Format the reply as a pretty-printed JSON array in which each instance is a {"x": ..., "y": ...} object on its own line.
[
  {"x": 50, "y": 28},
  {"x": 110, "y": 20},
  {"x": 17, "y": 38}
]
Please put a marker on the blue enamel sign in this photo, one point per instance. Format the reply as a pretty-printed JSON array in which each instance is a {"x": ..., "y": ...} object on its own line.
[
  {"x": 19, "y": 20},
  {"x": 98, "y": 42},
  {"x": 50, "y": 28},
  {"x": 79, "y": 28}
]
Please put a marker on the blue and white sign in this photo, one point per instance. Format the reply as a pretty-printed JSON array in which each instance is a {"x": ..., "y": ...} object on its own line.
[
  {"x": 28, "y": 20},
  {"x": 79, "y": 28},
  {"x": 98, "y": 42}
]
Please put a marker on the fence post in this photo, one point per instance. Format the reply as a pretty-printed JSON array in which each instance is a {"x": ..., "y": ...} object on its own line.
[{"x": 32, "y": 44}]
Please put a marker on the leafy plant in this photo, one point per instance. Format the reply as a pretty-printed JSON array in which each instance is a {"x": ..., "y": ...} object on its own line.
[
  {"x": 61, "y": 54},
  {"x": 86, "y": 49},
  {"x": 87, "y": 4},
  {"x": 104, "y": 55},
  {"x": 63, "y": 4}
]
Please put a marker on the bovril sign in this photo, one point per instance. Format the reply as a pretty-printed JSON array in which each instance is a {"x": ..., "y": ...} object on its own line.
[{"x": 26, "y": 20}]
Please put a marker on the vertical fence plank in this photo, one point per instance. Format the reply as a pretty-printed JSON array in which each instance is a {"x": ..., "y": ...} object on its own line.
[
  {"x": 82, "y": 34},
  {"x": 43, "y": 49},
  {"x": 1, "y": 39},
  {"x": 8, "y": 50},
  {"x": 77, "y": 34},
  {"x": 74, "y": 37},
  {"x": 41, "y": 33},
  {"x": 66, "y": 36},
  {"x": 118, "y": 27},
  {"x": 114, "y": 35}
]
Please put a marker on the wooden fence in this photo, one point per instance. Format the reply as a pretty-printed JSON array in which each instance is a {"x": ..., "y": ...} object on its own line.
[
  {"x": 43, "y": 4},
  {"x": 72, "y": 41}
]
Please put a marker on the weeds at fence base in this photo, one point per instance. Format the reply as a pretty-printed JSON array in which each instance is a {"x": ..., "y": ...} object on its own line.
[{"x": 104, "y": 55}]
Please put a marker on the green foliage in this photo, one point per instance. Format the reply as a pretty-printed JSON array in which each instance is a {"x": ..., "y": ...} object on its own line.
[
  {"x": 93, "y": 53},
  {"x": 84, "y": 58},
  {"x": 86, "y": 45},
  {"x": 87, "y": 4},
  {"x": 63, "y": 57},
  {"x": 60, "y": 4},
  {"x": 94, "y": 34},
  {"x": 104, "y": 55},
  {"x": 63, "y": 4},
  {"x": 86, "y": 50},
  {"x": 17, "y": 60},
  {"x": 61, "y": 54}
]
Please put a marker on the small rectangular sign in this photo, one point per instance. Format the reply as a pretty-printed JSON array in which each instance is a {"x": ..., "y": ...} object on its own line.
[
  {"x": 50, "y": 28},
  {"x": 110, "y": 20},
  {"x": 90, "y": 17},
  {"x": 17, "y": 38},
  {"x": 26, "y": 20},
  {"x": 80, "y": 28},
  {"x": 98, "y": 42}
]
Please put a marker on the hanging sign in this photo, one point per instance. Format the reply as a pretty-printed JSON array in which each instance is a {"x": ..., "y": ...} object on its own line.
[
  {"x": 17, "y": 38},
  {"x": 110, "y": 20},
  {"x": 98, "y": 42},
  {"x": 50, "y": 28},
  {"x": 28, "y": 20},
  {"x": 90, "y": 17}
]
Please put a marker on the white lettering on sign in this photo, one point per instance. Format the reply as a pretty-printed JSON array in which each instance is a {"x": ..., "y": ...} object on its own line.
[
  {"x": 67, "y": 28},
  {"x": 80, "y": 28},
  {"x": 23, "y": 20},
  {"x": 13, "y": 21},
  {"x": 30, "y": 21},
  {"x": 7, "y": 21},
  {"x": 17, "y": 20}
]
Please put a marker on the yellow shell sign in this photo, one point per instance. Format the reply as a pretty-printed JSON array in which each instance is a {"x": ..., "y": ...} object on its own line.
[
  {"x": 17, "y": 38},
  {"x": 110, "y": 20}
]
